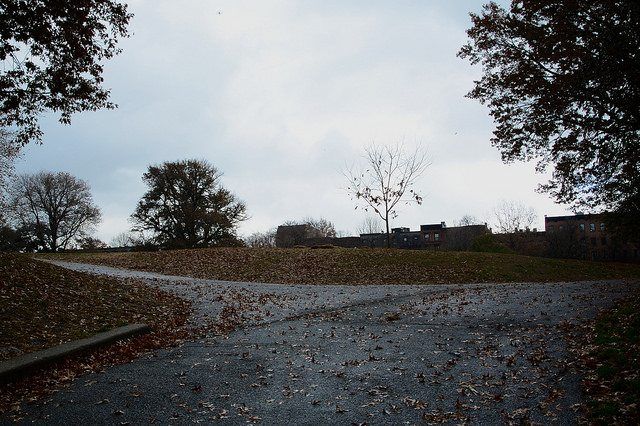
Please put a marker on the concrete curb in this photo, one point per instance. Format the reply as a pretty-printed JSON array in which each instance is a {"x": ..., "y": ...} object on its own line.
[{"x": 21, "y": 365}]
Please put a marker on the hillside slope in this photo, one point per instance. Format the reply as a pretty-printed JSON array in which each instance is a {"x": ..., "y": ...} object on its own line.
[
  {"x": 42, "y": 305},
  {"x": 356, "y": 266}
]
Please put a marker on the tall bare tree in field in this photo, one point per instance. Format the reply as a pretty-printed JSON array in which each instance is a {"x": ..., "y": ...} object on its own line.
[
  {"x": 56, "y": 208},
  {"x": 387, "y": 180}
]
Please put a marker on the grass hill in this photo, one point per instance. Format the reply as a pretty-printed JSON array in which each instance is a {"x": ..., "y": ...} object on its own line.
[
  {"x": 357, "y": 266},
  {"x": 42, "y": 305}
]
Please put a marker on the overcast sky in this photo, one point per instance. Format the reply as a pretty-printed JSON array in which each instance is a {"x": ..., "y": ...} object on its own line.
[{"x": 280, "y": 96}]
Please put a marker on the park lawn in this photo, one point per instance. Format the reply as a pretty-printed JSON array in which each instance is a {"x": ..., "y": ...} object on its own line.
[
  {"x": 608, "y": 350},
  {"x": 356, "y": 266},
  {"x": 42, "y": 305}
]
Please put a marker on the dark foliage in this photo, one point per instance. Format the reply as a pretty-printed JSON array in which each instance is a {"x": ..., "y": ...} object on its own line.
[
  {"x": 489, "y": 244},
  {"x": 186, "y": 206},
  {"x": 561, "y": 81},
  {"x": 52, "y": 54},
  {"x": 14, "y": 239},
  {"x": 91, "y": 243},
  {"x": 608, "y": 356}
]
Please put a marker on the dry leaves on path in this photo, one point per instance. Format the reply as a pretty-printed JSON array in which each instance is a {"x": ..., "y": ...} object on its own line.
[{"x": 42, "y": 305}]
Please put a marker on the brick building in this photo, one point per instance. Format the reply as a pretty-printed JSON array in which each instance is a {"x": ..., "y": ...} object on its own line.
[
  {"x": 585, "y": 236},
  {"x": 429, "y": 236},
  {"x": 432, "y": 236}
]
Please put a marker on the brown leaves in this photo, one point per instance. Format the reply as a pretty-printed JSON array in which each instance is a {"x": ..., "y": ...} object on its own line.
[
  {"x": 42, "y": 305},
  {"x": 608, "y": 353},
  {"x": 354, "y": 266}
]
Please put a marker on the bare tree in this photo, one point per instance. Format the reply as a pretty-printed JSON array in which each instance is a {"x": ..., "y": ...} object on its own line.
[
  {"x": 468, "y": 220},
  {"x": 387, "y": 180},
  {"x": 512, "y": 216},
  {"x": 262, "y": 239},
  {"x": 130, "y": 239},
  {"x": 123, "y": 239},
  {"x": 323, "y": 226},
  {"x": 370, "y": 225},
  {"x": 56, "y": 208},
  {"x": 320, "y": 228}
]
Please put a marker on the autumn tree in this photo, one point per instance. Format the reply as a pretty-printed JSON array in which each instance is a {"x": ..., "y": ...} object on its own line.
[
  {"x": 512, "y": 216},
  {"x": 387, "y": 180},
  {"x": 560, "y": 79},
  {"x": 55, "y": 209},
  {"x": 187, "y": 206},
  {"x": 52, "y": 56}
]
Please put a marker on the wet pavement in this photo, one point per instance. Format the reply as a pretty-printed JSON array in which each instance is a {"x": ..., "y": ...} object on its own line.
[{"x": 479, "y": 353}]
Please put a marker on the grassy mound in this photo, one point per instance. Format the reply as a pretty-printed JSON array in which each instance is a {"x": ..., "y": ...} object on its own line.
[
  {"x": 42, "y": 305},
  {"x": 357, "y": 266},
  {"x": 612, "y": 359}
]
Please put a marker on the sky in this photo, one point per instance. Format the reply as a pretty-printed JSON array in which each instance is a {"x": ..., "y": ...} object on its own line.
[{"x": 282, "y": 96}]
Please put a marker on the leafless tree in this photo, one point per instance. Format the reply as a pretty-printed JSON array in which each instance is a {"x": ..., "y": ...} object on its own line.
[
  {"x": 262, "y": 239},
  {"x": 370, "y": 225},
  {"x": 130, "y": 239},
  {"x": 320, "y": 228},
  {"x": 512, "y": 216},
  {"x": 123, "y": 239},
  {"x": 387, "y": 180},
  {"x": 57, "y": 208},
  {"x": 468, "y": 220}
]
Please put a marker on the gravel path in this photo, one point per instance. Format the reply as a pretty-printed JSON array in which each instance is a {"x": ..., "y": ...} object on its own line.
[{"x": 484, "y": 353}]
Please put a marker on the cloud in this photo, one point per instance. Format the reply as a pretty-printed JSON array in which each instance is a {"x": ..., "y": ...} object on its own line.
[{"x": 280, "y": 96}]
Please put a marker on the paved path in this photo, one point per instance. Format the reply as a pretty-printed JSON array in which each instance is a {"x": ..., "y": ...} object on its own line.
[{"x": 485, "y": 353}]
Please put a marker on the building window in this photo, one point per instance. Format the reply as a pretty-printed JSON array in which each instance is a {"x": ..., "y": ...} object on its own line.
[
  {"x": 592, "y": 227},
  {"x": 436, "y": 236},
  {"x": 405, "y": 238},
  {"x": 582, "y": 227},
  {"x": 426, "y": 237},
  {"x": 602, "y": 226},
  {"x": 550, "y": 228},
  {"x": 561, "y": 227}
]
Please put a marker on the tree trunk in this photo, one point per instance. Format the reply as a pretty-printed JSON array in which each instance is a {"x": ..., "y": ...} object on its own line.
[
  {"x": 386, "y": 221},
  {"x": 54, "y": 238}
]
